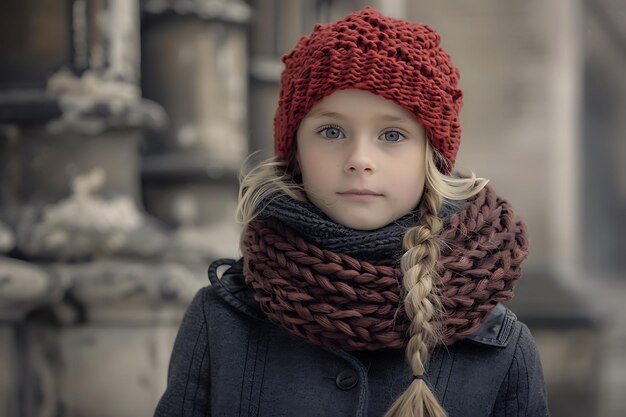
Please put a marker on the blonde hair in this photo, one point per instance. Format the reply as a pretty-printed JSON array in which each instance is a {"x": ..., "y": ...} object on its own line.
[
  {"x": 258, "y": 186},
  {"x": 419, "y": 264},
  {"x": 419, "y": 270}
]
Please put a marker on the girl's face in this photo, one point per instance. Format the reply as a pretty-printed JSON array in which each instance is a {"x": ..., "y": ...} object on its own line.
[{"x": 362, "y": 159}]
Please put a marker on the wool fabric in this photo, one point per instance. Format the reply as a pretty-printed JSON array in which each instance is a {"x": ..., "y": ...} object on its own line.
[
  {"x": 308, "y": 220},
  {"x": 335, "y": 300},
  {"x": 398, "y": 60}
]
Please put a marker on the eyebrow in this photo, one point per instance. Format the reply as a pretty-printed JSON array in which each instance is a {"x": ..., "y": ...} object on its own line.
[{"x": 382, "y": 117}]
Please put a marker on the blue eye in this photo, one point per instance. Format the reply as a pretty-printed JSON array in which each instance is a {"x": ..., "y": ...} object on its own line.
[
  {"x": 331, "y": 132},
  {"x": 392, "y": 136}
]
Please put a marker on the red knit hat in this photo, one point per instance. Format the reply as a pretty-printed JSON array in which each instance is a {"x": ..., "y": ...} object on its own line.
[{"x": 395, "y": 59}]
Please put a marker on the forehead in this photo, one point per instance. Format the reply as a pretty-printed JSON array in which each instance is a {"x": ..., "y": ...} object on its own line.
[{"x": 359, "y": 103}]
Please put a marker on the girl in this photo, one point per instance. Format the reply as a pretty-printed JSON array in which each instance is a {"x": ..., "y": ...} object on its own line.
[{"x": 372, "y": 275}]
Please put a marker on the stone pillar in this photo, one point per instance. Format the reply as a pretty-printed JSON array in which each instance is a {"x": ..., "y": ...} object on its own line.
[
  {"x": 521, "y": 72},
  {"x": 394, "y": 8},
  {"x": 276, "y": 27},
  {"x": 9, "y": 397},
  {"x": 89, "y": 311},
  {"x": 69, "y": 158},
  {"x": 114, "y": 341},
  {"x": 604, "y": 185},
  {"x": 27, "y": 381},
  {"x": 194, "y": 61}
]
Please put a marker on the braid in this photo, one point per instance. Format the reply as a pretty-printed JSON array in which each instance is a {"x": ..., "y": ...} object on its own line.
[{"x": 423, "y": 308}]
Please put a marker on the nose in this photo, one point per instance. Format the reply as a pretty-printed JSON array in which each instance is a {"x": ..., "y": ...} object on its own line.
[{"x": 360, "y": 158}]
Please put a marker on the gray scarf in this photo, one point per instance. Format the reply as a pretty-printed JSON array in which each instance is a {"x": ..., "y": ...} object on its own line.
[{"x": 317, "y": 228}]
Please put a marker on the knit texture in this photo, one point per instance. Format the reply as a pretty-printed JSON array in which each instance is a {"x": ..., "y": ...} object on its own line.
[
  {"x": 393, "y": 58},
  {"x": 308, "y": 220},
  {"x": 333, "y": 299}
]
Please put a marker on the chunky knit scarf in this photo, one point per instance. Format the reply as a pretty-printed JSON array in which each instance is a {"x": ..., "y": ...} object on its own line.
[{"x": 339, "y": 287}]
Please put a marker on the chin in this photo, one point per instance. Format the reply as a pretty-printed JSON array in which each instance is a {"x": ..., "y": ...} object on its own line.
[
  {"x": 361, "y": 224},
  {"x": 356, "y": 219}
]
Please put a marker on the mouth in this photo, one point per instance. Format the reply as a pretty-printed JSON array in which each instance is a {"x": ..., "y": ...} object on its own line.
[{"x": 360, "y": 194}]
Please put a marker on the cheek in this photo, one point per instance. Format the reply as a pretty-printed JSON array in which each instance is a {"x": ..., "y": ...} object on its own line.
[
  {"x": 315, "y": 171},
  {"x": 316, "y": 180},
  {"x": 409, "y": 179},
  {"x": 411, "y": 189}
]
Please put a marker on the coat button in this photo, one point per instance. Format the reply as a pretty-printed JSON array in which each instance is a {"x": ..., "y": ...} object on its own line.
[{"x": 347, "y": 379}]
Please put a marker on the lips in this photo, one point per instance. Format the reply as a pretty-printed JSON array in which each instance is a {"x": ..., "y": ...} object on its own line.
[
  {"x": 360, "y": 195},
  {"x": 360, "y": 192}
]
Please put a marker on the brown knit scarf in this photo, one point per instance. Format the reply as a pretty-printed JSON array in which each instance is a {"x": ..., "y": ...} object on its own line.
[{"x": 335, "y": 300}]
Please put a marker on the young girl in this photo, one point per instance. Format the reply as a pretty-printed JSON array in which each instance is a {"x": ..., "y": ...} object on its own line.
[{"x": 372, "y": 275}]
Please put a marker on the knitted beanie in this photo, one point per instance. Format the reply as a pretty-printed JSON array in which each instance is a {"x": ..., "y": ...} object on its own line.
[{"x": 393, "y": 58}]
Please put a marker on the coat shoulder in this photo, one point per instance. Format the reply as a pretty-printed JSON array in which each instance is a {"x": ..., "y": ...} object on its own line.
[
  {"x": 498, "y": 329},
  {"x": 503, "y": 375}
]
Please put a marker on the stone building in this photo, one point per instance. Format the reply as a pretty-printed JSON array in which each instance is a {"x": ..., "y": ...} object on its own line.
[{"x": 123, "y": 124}]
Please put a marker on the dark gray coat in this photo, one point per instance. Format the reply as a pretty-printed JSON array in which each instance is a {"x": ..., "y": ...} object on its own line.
[{"x": 229, "y": 361}]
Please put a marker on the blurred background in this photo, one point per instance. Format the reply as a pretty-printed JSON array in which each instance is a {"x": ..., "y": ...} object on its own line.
[{"x": 123, "y": 124}]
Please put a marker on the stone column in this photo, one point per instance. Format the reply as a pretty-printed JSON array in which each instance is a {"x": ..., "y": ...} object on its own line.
[
  {"x": 27, "y": 383},
  {"x": 23, "y": 287},
  {"x": 89, "y": 311},
  {"x": 604, "y": 188},
  {"x": 276, "y": 27},
  {"x": 521, "y": 72},
  {"x": 69, "y": 148},
  {"x": 195, "y": 65}
]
